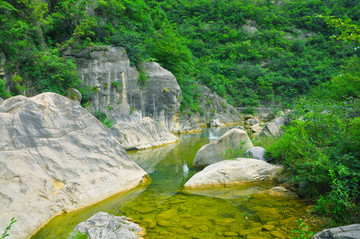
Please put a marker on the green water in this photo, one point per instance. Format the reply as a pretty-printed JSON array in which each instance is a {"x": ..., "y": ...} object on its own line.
[{"x": 166, "y": 211}]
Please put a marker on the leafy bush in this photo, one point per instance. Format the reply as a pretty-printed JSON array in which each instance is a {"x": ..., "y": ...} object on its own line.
[{"x": 320, "y": 149}]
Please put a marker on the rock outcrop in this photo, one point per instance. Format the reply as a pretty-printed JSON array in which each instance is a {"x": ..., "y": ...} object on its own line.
[
  {"x": 348, "y": 232},
  {"x": 215, "y": 151},
  {"x": 256, "y": 153},
  {"x": 213, "y": 111},
  {"x": 105, "y": 226},
  {"x": 232, "y": 172},
  {"x": 54, "y": 157},
  {"x": 142, "y": 134},
  {"x": 118, "y": 92},
  {"x": 273, "y": 128}
]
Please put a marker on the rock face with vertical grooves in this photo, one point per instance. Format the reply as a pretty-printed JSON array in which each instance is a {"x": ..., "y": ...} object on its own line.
[
  {"x": 118, "y": 92},
  {"x": 142, "y": 134},
  {"x": 215, "y": 151},
  {"x": 54, "y": 157}
]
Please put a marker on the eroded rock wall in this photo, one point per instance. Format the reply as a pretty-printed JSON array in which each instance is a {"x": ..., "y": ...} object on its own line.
[{"x": 116, "y": 89}]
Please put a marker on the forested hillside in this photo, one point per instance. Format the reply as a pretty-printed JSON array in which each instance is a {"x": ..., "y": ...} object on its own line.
[
  {"x": 293, "y": 53},
  {"x": 250, "y": 52}
]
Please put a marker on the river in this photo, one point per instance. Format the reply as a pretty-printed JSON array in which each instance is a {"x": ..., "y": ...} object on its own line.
[{"x": 166, "y": 211}]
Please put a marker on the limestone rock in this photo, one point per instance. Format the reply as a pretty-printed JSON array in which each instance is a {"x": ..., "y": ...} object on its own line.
[
  {"x": 117, "y": 90},
  {"x": 215, "y": 123},
  {"x": 256, "y": 129},
  {"x": 256, "y": 153},
  {"x": 348, "y": 232},
  {"x": 215, "y": 151},
  {"x": 54, "y": 157},
  {"x": 273, "y": 128},
  {"x": 230, "y": 172},
  {"x": 212, "y": 107},
  {"x": 1, "y": 100},
  {"x": 105, "y": 226},
  {"x": 142, "y": 134}
]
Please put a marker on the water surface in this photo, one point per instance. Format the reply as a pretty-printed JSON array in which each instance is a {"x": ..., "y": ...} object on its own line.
[{"x": 166, "y": 211}]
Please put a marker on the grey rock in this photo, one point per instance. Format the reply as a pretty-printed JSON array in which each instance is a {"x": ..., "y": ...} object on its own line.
[
  {"x": 256, "y": 128},
  {"x": 117, "y": 90},
  {"x": 344, "y": 232},
  {"x": 273, "y": 128},
  {"x": 215, "y": 151},
  {"x": 240, "y": 127},
  {"x": 142, "y": 134},
  {"x": 247, "y": 117},
  {"x": 212, "y": 106},
  {"x": 1, "y": 100},
  {"x": 105, "y": 226},
  {"x": 230, "y": 172},
  {"x": 215, "y": 123},
  {"x": 54, "y": 157},
  {"x": 256, "y": 153}
]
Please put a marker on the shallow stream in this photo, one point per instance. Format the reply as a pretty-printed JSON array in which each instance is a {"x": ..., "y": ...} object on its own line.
[{"x": 166, "y": 211}]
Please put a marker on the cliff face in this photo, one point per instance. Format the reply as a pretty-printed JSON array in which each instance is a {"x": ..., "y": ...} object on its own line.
[{"x": 117, "y": 91}]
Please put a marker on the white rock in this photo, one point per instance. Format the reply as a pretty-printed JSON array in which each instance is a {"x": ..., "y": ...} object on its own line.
[
  {"x": 54, "y": 157},
  {"x": 257, "y": 153},
  {"x": 142, "y": 134},
  {"x": 232, "y": 172},
  {"x": 215, "y": 151}
]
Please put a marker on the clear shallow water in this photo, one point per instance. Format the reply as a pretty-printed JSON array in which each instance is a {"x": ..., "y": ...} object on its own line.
[{"x": 166, "y": 211}]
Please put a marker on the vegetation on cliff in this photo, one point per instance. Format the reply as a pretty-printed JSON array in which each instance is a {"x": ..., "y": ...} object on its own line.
[{"x": 249, "y": 52}]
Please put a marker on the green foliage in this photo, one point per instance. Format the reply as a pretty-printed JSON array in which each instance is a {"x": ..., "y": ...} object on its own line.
[
  {"x": 320, "y": 151},
  {"x": 77, "y": 235},
  {"x": 5, "y": 233},
  {"x": 235, "y": 152},
  {"x": 103, "y": 119},
  {"x": 302, "y": 232},
  {"x": 3, "y": 91}
]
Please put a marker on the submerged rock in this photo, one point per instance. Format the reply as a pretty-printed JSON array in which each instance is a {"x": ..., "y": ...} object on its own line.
[
  {"x": 348, "y": 232},
  {"x": 105, "y": 226},
  {"x": 54, "y": 157},
  {"x": 232, "y": 172},
  {"x": 216, "y": 150},
  {"x": 142, "y": 134}
]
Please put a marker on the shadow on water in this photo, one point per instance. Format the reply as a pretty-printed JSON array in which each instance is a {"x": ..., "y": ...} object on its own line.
[{"x": 166, "y": 211}]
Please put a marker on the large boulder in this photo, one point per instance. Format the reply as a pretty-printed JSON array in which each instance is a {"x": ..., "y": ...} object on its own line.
[
  {"x": 274, "y": 127},
  {"x": 56, "y": 157},
  {"x": 119, "y": 93},
  {"x": 232, "y": 172},
  {"x": 142, "y": 134},
  {"x": 105, "y": 226},
  {"x": 348, "y": 232},
  {"x": 215, "y": 151}
]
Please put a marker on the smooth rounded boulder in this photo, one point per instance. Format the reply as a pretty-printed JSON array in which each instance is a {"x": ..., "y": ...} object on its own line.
[
  {"x": 56, "y": 157},
  {"x": 232, "y": 172},
  {"x": 215, "y": 151}
]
